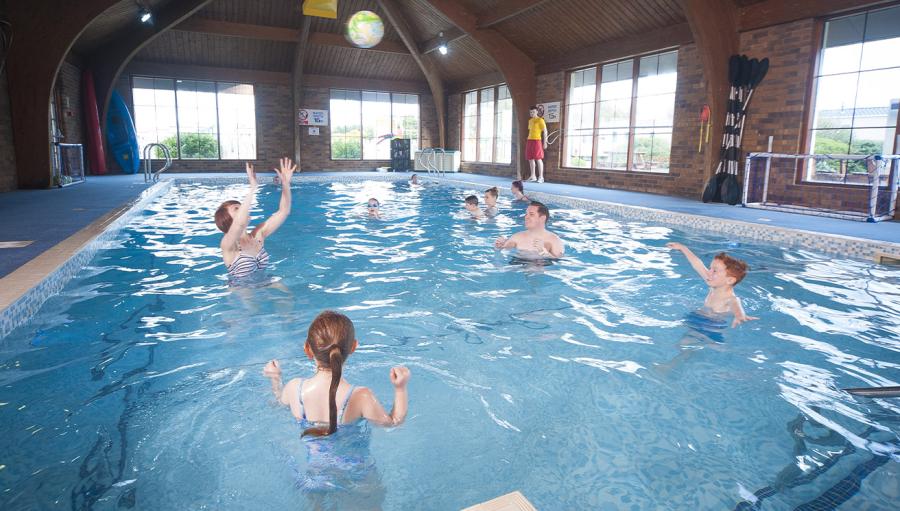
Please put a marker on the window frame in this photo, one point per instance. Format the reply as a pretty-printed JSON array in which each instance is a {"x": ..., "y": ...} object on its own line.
[
  {"x": 598, "y": 80},
  {"x": 361, "y": 137},
  {"x": 811, "y": 98},
  {"x": 495, "y": 122},
  {"x": 215, "y": 83}
]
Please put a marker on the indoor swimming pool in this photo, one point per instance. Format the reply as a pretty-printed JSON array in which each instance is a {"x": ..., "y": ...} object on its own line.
[{"x": 585, "y": 383}]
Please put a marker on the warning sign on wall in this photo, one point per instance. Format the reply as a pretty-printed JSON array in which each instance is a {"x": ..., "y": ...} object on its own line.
[
  {"x": 549, "y": 111},
  {"x": 310, "y": 117}
]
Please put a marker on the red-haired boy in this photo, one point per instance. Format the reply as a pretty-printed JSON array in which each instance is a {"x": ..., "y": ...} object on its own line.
[{"x": 721, "y": 277}]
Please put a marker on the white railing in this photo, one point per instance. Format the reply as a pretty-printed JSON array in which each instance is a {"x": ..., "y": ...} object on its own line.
[{"x": 149, "y": 175}]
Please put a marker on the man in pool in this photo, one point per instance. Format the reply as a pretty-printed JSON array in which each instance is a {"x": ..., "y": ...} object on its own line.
[
  {"x": 722, "y": 275},
  {"x": 535, "y": 239}
]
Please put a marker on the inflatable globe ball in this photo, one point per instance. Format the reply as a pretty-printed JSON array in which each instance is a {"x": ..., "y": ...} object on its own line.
[{"x": 365, "y": 29}]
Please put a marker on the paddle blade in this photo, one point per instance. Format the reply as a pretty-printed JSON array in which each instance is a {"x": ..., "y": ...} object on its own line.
[
  {"x": 875, "y": 391},
  {"x": 744, "y": 79},
  {"x": 760, "y": 72},
  {"x": 734, "y": 69},
  {"x": 730, "y": 190},
  {"x": 711, "y": 192}
]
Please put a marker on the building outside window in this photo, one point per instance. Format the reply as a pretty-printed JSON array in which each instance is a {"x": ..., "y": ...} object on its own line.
[
  {"x": 626, "y": 122},
  {"x": 196, "y": 119},
  {"x": 364, "y": 122},
  {"x": 487, "y": 125},
  {"x": 857, "y": 94}
]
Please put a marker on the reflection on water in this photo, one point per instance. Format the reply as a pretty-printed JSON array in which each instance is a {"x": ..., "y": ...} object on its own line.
[{"x": 587, "y": 382}]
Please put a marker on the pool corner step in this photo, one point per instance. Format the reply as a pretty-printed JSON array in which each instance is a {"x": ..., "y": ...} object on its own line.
[{"x": 514, "y": 501}]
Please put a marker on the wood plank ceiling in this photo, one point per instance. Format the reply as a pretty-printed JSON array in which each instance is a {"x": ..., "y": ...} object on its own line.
[{"x": 545, "y": 31}]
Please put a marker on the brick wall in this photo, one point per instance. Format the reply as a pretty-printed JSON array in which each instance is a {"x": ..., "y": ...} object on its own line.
[
  {"x": 8, "y": 177},
  {"x": 71, "y": 118}
]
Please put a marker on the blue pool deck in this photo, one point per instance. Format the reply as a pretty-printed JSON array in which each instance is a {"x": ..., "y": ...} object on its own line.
[{"x": 47, "y": 217}]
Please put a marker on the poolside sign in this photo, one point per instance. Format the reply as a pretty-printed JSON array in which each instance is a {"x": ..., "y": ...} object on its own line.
[
  {"x": 310, "y": 117},
  {"x": 549, "y": 111}
]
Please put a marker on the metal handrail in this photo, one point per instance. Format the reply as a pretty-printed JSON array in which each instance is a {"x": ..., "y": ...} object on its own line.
[
  {"x": 432, "y": 166},
  {"x": 148, "y": 174}
]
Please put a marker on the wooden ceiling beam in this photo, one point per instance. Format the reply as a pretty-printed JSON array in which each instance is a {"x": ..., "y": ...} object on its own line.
[
  {"x": 280, "y": 34},
  {"x": 45, "y": 31},
  {"x": 668, "y": 37},
  {"x": 244, "y": 30},
  {"x": 209, "y": 73},
  {"x": 297, "y": 83},
  {"x": 714, "y": 27},
  {"x": 449, "y": 36},
  {"x": 775, "y": 12},
  {"x": 394, "y": 14},
  {"x": 517, "y": 67},
  {"x": 329, "y": 39},
  {"x": 108, "y": 62},
  {"x": 506, "y": 10}
]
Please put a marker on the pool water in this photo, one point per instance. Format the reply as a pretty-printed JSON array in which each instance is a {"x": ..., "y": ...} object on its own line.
[{"x": 585, "y": 384}]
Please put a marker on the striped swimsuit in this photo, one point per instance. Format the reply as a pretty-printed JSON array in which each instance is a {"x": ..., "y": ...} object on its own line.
[{"x": 245, "y": 265}]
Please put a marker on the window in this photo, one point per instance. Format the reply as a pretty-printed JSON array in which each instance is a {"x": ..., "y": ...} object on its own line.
[
  {"x": 856, "y": 94},
  {"x": 364, "y": 122},
  {"x": 626, "y": 122},
  {"x": 196, "y": 119},
  {"x": 487, "y": 125}
]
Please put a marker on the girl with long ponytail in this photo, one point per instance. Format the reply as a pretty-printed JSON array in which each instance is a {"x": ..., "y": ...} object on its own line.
[{"x": 326, "y": 401}]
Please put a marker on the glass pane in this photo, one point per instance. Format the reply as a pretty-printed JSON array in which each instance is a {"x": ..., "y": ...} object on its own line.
[
  {"x": 612, "y": 149},
  {"x": 237, "y": 121},
  {"x": 877, "y": 99},
  {"x": 155, "y": 116},
  {"x": 346, "y": 148},
  {"x": 197, "y": 119},
  {"x": 883, "y": 24},
  {"x": 579, "y": 151},
  {"x": 841, "y": 59},
  {"x": 346, "y": 125},
  {"x": 486, "y": 126},
  {"x": 582, "y": 86},
  {"x": 405, "y": 120},
  {"x": 376, "y": 125},
  {"x": 872, "y": 141},
  {"x": 831, "y": 141},
  {"x": 835, "y": 98},
  {"x": 648, "y": 66},
  {"x": 844, "y": 31},
  {"x": 615, "y": 114},
  {"x": 658, "y": 110},
  {"x": 503, "y": 152},
  {"x": 881, "y": 54},
  {"x": 652, "y": 150}
]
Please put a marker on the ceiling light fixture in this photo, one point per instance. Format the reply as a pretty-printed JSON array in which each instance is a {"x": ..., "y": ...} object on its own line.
[
  {"x": 146, "y": 15},
  {"x": 443, "y": 44}
]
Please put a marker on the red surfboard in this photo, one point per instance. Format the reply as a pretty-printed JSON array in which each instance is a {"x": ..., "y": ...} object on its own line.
[{"x": 96, "y": 157}]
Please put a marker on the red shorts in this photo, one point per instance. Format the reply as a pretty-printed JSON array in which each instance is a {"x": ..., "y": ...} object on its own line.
[{"x": 534, "y": 150}]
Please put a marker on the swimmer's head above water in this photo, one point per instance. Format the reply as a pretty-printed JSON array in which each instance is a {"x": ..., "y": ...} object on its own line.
[
  {"x": 330, "y": 339},
  {"x": 726, "y": 271},
  {"x": 536, "y": 216},
  {"x": 225, "y": 214}
]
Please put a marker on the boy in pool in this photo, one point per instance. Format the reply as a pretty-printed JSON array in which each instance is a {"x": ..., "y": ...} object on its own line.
[
  {"x": 490, "y": 201},
  {"x": 472, "y": 207},
  {"x": 722, "y": 275},
  {"x": 373, "y": 208}
]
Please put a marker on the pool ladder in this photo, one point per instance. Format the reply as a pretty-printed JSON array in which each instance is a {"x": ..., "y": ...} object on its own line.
[
  {"x": 432, "y": 165},
  {"x": 149, "y": 175}
]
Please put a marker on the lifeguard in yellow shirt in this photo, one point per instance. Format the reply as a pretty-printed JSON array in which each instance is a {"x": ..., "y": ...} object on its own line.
[{"x": 536, "y": 143}]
